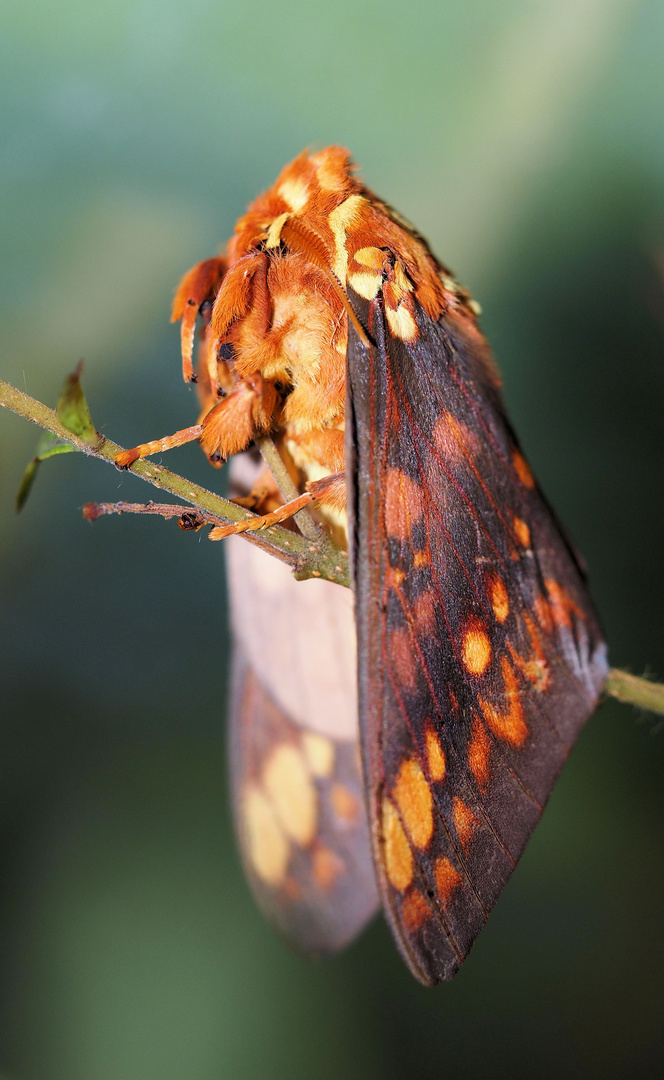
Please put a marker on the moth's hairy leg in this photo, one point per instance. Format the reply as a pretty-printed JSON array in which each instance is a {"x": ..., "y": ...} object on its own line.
[
  {"x": 127, "y": 458},
  {"x": 227, "y": 429},
  {"x": 198, "y": 287},
  {"x": 274, "y": 518},
  {"x": 330, "y": 491}
]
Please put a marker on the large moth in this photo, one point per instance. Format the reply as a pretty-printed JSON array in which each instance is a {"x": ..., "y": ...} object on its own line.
[{"x": 330, "y": 324}]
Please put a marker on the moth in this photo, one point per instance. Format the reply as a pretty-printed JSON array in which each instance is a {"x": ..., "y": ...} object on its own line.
[{"x": 416, "y": 781}]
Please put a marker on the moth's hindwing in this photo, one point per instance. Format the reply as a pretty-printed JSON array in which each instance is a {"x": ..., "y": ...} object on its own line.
[
  {"x": 296, "y": 777},
  {"x": 479, "y": 653}
]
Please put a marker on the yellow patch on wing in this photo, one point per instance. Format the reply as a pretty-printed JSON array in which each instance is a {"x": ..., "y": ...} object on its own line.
[
  {"x": 399, "y": 865},
  {"x": 401, "y": 323},
  {"x": 508, "y": 724},
  {"x": 415, "y": 801},
  {"x": 267, "y": 845},
  {"x": 475, "y": 648},
  {"x": 366, "y": 285},
  {"x": 400, "y": 279},
  {"x": 436, "y": 763},
  {"x": 332, "y": 168},
  {"x": 372, "y": 257},
  {"x": 290, "y": 788},
  {"x": 447, "y": 878},
  {"x": 274, "y": 232},
  {"x": 522, "y": 469},
  {"x": 295, "y": 192},
  {"x": 319, "y": 752},
  {"x": 340, "y": 220}
]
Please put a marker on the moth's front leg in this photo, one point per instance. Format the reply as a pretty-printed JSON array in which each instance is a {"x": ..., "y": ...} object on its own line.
[{"x": 229, "y": 427}]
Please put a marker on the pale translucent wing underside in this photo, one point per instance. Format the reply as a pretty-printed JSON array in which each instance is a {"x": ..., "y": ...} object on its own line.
[{"x": 296, "y": 778}]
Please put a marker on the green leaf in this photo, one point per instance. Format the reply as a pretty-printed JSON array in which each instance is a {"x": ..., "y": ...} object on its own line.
[{"x": 72, "y": 409}]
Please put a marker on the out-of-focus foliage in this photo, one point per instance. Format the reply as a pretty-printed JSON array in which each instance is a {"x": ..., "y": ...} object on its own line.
[
  {"x": 525, "y": 138},
  {"x": 73, "y": 411}
]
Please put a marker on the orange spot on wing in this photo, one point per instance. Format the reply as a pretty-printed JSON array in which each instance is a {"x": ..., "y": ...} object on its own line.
[
  {"x": 464, "y": 820},
  {"x": 326, "y": 867},
  {"x": 403, "y": 504},
  {"x": 292, "y": 889},
  {"x": 415, "y": 802},
  {"x": 508, "y": 724},
  {"x": 453, "y": 440},
  {"x": 498, "y": 597},
  {"x": 448, "y": 879},
  {"x": 522, "y": 469},
  {"x": 403, "y": 659},
  {"x": 542, "y": 610},
  {"x": 478, "y": 753},
  {"x": 562, "y": 605},
  {"x": 424, "y": 610},
  {"x": 345, "y": 805},
  {"x": 420, "y": 559},
  {"x": 534, "y": 668},
  {"x": 415, "y": 910},
  {"x": 521, "y": 531},
  {"x": 399, "y": 864},
  {"x": 475, "y": 648},
  {"x": 436, "y": 763},
  {"x": 394, "y": 577}
]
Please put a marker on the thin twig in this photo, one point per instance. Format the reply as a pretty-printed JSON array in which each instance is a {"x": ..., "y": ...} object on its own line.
[
  {"x": 306, "y": 559},
  {"x": 633, "y": 690},
  {"x": 272, "y": 458},
  {"x": 193, "y": 519}
]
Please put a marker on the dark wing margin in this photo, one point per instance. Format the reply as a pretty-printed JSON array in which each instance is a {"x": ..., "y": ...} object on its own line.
[
  {"x": 479, "y": 653},
  {"x": 296, "y": 781}
]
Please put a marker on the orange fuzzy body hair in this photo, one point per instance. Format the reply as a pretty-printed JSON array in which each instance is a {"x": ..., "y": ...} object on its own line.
[{"x": 276, "y": 313}]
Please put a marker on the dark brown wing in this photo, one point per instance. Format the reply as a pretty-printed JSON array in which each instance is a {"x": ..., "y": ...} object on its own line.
[
  {"x": 479, "y": 652},
  {"x": 295, "y": 761}
]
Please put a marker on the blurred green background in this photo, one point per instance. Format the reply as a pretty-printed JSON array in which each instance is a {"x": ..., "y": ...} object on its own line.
[{"x": 525, "y": 138}]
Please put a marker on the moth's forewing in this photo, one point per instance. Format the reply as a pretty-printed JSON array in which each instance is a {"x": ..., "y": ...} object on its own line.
[
  {"x": 297, "y": 787},
  {"x": 479, "y": 653}
]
